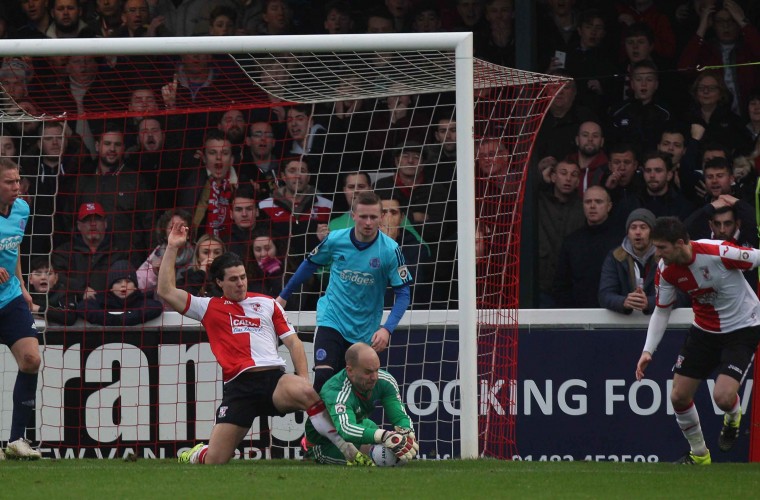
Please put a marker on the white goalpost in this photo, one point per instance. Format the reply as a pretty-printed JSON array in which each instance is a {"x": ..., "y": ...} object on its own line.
[{"x": 330, "y": 68}]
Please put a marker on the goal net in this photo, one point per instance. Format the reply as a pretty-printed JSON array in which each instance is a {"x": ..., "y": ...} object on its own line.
[{"x": 259, "y": 144}]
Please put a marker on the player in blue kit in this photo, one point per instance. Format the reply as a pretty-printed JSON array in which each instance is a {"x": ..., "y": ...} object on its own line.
[
  {"x": 17, "y": 329},
  {"x": 363, "y": 262}
]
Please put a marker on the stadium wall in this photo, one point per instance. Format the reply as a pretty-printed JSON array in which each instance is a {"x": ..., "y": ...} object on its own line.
[{"x": 151, "y": 391}]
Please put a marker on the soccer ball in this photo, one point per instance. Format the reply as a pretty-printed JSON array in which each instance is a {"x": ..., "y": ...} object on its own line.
[{"x": 383, "y": 457}]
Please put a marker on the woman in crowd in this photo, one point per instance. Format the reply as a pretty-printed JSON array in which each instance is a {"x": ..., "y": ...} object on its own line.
[
  {"x": 195, "y": 280},
  {"x": 147, "y": 273}
]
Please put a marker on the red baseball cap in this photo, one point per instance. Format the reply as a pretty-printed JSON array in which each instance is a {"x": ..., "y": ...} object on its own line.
[{"x": 93, "y": 208}]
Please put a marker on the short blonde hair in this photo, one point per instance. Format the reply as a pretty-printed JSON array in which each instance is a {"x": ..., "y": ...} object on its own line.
[{"x": 7, "y": 164}]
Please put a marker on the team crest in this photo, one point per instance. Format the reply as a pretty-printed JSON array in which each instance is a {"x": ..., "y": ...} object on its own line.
[
  {"x": 256, "y": 307},
  {"x": 706, "y": 273},
  {"x": 679, "y": 361},
  {"x": 222, "y": 412},
  {"x": 403, "y": 272},
  {"x": 374, "y": 263},
  {"x": 339, "y": 409}
]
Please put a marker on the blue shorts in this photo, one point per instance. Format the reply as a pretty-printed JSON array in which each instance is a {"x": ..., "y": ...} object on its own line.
[
  {"x": 16, "y": 322},
  {"x": 330, "y": 348}
]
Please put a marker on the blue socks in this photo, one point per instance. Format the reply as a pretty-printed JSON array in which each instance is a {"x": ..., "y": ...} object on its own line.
[
  {"x": 24, "y": 394},
  {"x": 322, "y": 375}
]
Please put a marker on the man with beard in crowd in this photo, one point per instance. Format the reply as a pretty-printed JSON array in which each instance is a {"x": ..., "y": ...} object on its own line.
[
  {"x": 233, "y": 124},
  {"x": 158, "y": 165},
  {"x": 590, "y": 156}
]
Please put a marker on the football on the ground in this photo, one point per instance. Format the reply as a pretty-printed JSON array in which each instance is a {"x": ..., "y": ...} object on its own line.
[{"x": 383, "y": 457}]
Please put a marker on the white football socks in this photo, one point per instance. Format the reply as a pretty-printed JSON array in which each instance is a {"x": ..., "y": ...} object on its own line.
[
  {"x": 736, "y": 411},
  {"x": 688, "y": 421},
  {"x": 322, "y": 423}
]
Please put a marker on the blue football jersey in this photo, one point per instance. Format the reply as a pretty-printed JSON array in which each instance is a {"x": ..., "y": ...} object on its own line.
[
  {"x": 353, "y": 302},
  {"x": 12, "y": 229}
]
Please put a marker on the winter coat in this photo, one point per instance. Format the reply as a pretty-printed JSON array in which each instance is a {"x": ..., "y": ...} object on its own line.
[
  {"x": 110, "y": 310},
  {"x": 620, "y": 271}
]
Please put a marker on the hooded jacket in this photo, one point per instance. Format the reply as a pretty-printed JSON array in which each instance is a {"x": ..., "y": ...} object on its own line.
[
  {"x": 110, "y": 310},
  {"x": 620, "y": 271}
]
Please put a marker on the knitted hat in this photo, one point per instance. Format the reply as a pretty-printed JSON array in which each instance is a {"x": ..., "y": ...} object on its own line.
[
  {"x": 641, "y": 214},
  {"x": 119, "y": 270}
]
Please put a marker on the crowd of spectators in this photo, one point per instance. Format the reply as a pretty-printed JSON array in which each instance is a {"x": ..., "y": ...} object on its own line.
[{"x": 641, "y": 126}]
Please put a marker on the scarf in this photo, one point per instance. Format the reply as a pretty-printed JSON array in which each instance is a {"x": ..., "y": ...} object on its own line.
[{"x": 218, "y": 214}]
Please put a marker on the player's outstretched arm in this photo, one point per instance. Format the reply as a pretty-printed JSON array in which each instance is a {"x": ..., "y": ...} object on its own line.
[
  {"x": 657, "y": 324},
  {"x": 303, "y": 273},
  {"x": 167, "y": 280},
  {"x": 641, "y": 366}
]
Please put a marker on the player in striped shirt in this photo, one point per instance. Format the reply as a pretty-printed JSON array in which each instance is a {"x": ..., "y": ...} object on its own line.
[
  {"x": 363, "y": 263},
  {"x": 18, "y": 331},
  {"x": 243, "y": 329},
  {"x": 725, "y": 332}
]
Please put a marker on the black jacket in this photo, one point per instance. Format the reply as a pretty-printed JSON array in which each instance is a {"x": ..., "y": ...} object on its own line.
[
  {"x": 110, "y": 310},
  {"x": 579, "y": 265}
]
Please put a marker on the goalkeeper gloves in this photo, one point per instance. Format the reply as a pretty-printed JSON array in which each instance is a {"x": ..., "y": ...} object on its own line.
[
  {"x": 402, "y": 445},
  {"x": 409, "y": 433}
]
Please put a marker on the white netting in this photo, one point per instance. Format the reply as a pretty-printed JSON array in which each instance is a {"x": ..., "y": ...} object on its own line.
[{"x": 368, "y": 114}]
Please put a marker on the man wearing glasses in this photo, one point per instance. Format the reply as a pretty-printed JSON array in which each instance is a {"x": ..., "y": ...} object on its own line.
[{"x": 260, "y": 162}]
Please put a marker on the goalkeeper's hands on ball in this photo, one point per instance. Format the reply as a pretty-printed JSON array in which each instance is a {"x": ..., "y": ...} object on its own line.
[
  {"x": 401, "y": 442},
  {"x": 409, "y": 433}
]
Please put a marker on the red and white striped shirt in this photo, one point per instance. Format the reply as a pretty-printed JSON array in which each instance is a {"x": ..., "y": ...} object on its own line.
[
  {"x": 319, "y": 210},
  {"x": 721, "y": 298},
  {"x": 242, "y": 334}
]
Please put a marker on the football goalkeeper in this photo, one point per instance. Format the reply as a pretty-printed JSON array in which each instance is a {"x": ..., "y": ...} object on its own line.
[{"x": 350, "y": 397}]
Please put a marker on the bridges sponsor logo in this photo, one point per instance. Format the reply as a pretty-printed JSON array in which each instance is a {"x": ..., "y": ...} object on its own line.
[
  {"x": 357, "y": 277},
  {"x": 10, "y": 243},
  {"x": 244, "y": 324}
]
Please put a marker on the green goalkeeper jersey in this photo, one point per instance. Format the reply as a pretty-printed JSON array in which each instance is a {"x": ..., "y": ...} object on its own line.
[{"x": 350, "y": 410}]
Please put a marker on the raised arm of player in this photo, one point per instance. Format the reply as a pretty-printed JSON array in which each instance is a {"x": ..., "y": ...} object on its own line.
[{"x": 167, "y": 280}]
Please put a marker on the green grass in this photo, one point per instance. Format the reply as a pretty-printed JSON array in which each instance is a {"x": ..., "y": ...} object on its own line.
[{"x": 484, "y": 479}]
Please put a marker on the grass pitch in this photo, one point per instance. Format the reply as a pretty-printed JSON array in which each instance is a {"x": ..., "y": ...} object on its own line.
[{"x": 54, "y": 479}]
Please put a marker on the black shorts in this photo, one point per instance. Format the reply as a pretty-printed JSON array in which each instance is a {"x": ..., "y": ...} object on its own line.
[
  {"x": 247, "y": 396},
  {"x": 731, "y": 353},
  {"x": 17, "y": 322},
  {"x": 330, "y": 348}
]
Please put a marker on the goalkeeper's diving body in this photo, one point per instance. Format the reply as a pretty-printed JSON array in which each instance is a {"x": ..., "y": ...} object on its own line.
[
  {"x": 350, "y": 397},
  {"x": 363, "y": 262}
]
